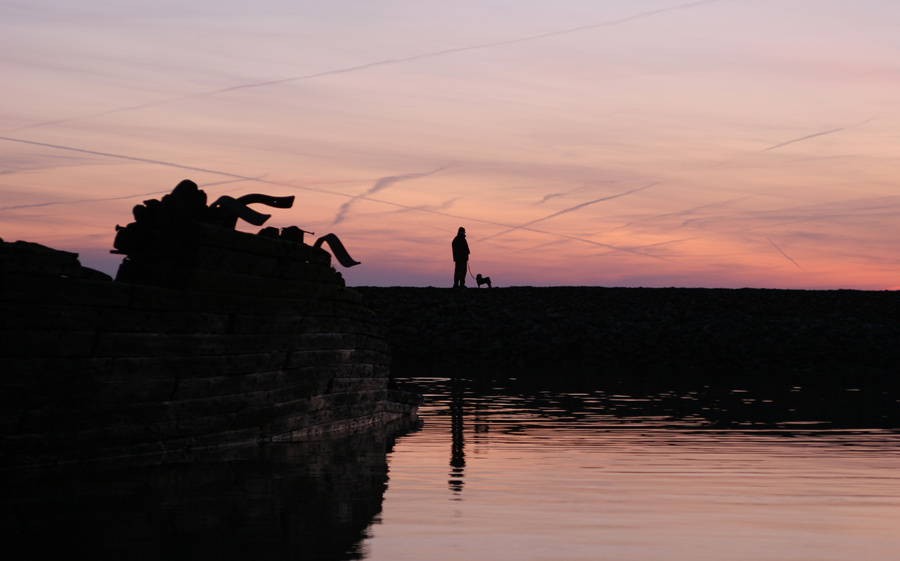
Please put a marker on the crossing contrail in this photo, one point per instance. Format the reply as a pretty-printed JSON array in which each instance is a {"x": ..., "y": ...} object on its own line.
[
  {"x": 686, "y": 212},
  {"x": 104, "y": 199},
  {"x": 634, "y": 250},
  {"x": 570, "y": 209},
  {"x": 369, "y": 65}
]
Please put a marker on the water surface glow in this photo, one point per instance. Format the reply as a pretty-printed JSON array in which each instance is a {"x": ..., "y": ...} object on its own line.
[{"x": 552, "y": 475}]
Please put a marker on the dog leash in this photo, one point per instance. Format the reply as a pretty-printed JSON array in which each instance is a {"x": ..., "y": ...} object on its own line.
[{"x": 470, "y": 271}]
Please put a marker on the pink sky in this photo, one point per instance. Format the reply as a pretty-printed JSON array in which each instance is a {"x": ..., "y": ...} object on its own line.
[{"x": 726, "y": 143}]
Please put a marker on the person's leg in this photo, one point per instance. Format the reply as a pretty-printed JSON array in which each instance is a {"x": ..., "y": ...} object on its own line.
[{"x": 461, "y": 273}]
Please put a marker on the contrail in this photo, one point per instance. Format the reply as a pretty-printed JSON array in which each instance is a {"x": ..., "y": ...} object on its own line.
[
  {"x": 129, "y": 158},
  {"x": 379, "y": 185},
  {"x": 198, "y": 169},
  {"x": 104, "y": 199},
  {"x": 788, "y": 257},
  {"x": 782, "y": 144},
  {"x": 446, "y": 204},
  {"x": 570, "y": 209},
  {"x": 685, "y": 212},
  {"x": 369, "y": 65},
  {"x": 327, "y": 192},
  {"x": 807, "y": 137}
]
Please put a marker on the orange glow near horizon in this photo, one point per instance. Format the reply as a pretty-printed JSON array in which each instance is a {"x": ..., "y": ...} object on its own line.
[{"x": 721, "y": 144}]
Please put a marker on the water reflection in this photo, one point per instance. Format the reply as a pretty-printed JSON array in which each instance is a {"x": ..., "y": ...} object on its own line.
[
  {"x": 302, "y": 500},
  {"x": 546, "y": 468},
  {"x": 637, "y": 470},
  {"x": 457, "y": 449},
  {"x": 764, "y": 403}
]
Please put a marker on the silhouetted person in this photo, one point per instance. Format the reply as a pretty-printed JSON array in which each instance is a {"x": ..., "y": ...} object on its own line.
[{"x": 461, "y": 258}]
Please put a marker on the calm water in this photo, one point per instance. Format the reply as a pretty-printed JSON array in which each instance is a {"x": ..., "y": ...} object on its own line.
[
  {"x": 512, "y": 470},
  {"x": 523, "y": 473}
]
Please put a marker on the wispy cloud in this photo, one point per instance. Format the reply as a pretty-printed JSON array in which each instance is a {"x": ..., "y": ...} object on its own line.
[
  {"x": 369, "y": 65},
  {"x": 124, "y": 157},
  {"x": 568, "y": 193},
  {"x": 329, "y": 192},
  {"x": 686, "y": 212},
  {"x": 568, "y": 210},
  {"x": 379, "y": 186},
  {"x": 850, "y": 211},
  {"x": 548, "y": 197},
  {"x": 442, "y": 206},
  {"x": 104, "y": 199}
]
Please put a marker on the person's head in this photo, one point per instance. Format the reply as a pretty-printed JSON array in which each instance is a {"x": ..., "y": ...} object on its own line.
[{"x": 461, "y": 231}]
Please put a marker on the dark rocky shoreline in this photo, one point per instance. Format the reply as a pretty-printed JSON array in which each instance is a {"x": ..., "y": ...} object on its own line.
[{"x": 641, "y": 331}]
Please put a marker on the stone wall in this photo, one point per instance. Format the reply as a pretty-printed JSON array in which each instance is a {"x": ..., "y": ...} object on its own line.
[
  {"x": 596, "y": 331},
  {"x": 103, "y": 368}
]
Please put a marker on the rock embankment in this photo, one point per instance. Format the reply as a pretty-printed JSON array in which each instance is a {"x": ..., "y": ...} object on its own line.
[{"x": 597, "y": 330}]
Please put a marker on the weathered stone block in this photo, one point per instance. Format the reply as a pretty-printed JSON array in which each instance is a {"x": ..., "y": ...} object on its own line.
[{"x": 46, "y": 343}]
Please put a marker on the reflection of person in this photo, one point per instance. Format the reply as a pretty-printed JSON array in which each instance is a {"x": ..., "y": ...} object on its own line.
[
  {"x": 457, "y": 448},
  {"x": 461, "y": 258}
]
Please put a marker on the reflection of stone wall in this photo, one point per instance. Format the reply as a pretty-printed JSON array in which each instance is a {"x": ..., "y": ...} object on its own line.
[
  {"x": 259, "y": 344},
  {"x": 309, "y": 500},
  {"x": 603, "y": 330}
]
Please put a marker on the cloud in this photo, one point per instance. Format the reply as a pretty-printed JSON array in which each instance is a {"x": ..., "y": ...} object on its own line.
[
  {"x": 548, "y": 197},
  {"x": 850, "y": 230},
  {"x": 442, "y": 206},
  {"x": 862, "y": 211},
  {"x": 585, "y": 187},
  {"x": 103, "y": 199},
  {"x": 369, "y": 65},
  {"x": 686, "y": 212},
  {"x": 345, "y": 195},
  {"x": 567, "y": 210},
  {"x": 379, "y": 185}
]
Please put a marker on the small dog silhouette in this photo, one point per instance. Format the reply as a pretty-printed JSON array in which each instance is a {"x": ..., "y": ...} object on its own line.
[{"x": 483, "y": 280}]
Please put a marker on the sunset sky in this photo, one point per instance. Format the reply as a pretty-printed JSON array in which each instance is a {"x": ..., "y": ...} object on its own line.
[{"x": 721, "y": 143}]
